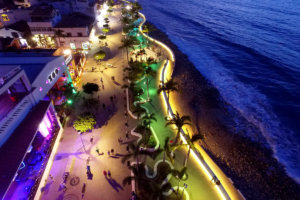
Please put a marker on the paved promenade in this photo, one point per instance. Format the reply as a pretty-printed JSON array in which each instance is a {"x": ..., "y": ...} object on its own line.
[{"x": 71, "y": 155}]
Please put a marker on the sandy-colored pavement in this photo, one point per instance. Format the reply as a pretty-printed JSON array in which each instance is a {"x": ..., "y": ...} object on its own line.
[{"x": 71, "y": 155}]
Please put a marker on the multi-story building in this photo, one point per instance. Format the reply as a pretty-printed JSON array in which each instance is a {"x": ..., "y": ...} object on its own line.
[
  {"x": 43, "y": 19},
  {"x": 28, "y": 122},
  {"x": 75, "y": 33}
]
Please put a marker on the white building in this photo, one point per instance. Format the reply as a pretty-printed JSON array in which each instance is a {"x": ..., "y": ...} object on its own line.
[
  {"x": 28, "y": 122},
  {"x": 76, "y": 32}
]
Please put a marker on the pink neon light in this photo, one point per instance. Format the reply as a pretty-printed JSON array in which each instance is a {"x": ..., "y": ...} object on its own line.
[
  {"x": 58, "y": 68},
  {"x": 41, "y": 89},
  {"x": 47, "y": 122},
  {"x": 43, "y": 129},
  {"x": 47, "y": 81}
]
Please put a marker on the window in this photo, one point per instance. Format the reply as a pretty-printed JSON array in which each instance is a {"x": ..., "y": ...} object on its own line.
[
  {"x": 72, "y": 45},
  {"x": 69, "y": 35},
  {"x": 79, "y": 34}
]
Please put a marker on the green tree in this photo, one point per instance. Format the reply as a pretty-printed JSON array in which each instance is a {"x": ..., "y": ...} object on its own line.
[
  {"x": 127, "y": 43},
  {"x": 191, "y": 141},
  {"x": 105, "y": 30},
  {"x": 84, "y": 123},
  {"x": 179, "y": 122},
  {"x": 148, "y": 118},
  {"x": 167, "y": 150},
  {"x": 149, "y": 72},
  {"x": 90, "y": 88},
  {"x": 99, "y": 55},
  {"x": 139, "y": 111},
  {"x": 168, "y": 87},
  {"x": 180, "y": 175}
]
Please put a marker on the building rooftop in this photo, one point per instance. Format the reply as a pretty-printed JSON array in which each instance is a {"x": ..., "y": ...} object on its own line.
[
  {"x": 14, "y": 149},
  {"x": 6, "y": 69},
  {"x": 31, "y": 63},
  {"x": 75, "y": 20},
  {"x": 9, "y": 33},
  {"x": 42, "y": 10}
]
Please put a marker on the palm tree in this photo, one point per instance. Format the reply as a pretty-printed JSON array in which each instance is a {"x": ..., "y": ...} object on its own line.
[
  {"x": 180, "y": 175},
  {"x": 167, "y": 151},
  {"x": 149, "y": 72},
  {"x": 139, "y": 111},
  {"x": 190, "y": 142},
  {"x": 125, "y": 20},
  {"x": 179, "y": 122},
  {"x": 127, "y": 43},
  {"x": 148, "y": 188},
  {"x": 58, "y": 34},
  {"x": 158, "y": 190},
  {"x": 148, "y": 119},
  {"x": 168, "y": 87}
]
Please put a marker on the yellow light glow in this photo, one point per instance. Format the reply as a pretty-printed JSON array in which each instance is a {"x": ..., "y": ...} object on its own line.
[{"x": 67, "y": 52}]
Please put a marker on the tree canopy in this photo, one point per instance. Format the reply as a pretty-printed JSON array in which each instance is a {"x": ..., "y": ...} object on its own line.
[
  {"x": 84, "y": 123},
  {"x": 90, "y": 88},
  {"x": 100, "y": 55}
]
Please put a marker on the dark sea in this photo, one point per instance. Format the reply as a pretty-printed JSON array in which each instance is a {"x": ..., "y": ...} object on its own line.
[{"x": 250, "y": 51}]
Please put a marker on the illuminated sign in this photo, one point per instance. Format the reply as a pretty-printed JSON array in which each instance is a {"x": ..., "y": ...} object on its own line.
[
  {"x": 68, "y": 59},
  {"x": 52, "y": 75},
  {"x": 5, "y": 18}
]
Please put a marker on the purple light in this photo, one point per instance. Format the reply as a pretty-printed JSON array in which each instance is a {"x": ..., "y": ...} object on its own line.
[
  {"x": 47, "y": 81},
  {"x": 63, "y": 63},
  {"x": 41, "y": 89},
  {"x": 58, "y": 68},
  {"x": 43, "y": 129},
  {"x": 47, "y": 122}
]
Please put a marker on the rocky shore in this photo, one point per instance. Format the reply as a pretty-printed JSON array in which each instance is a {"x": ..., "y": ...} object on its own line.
[{"x": 249, "y": 164}]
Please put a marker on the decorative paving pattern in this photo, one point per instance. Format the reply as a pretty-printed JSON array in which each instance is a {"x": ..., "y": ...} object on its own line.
[{"x": 74, "y": 181}]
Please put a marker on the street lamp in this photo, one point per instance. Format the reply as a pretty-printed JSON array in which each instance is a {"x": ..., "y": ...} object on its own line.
[{"x": 67, "y": 52}]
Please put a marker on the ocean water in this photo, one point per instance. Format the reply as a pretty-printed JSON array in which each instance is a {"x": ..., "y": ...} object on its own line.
[{"x": 250, "y": 51}]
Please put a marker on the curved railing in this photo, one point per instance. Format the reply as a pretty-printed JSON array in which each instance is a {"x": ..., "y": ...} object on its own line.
[{"x": 165, "y": 74}]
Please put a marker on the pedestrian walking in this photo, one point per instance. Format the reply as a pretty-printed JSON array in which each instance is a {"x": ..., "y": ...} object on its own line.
[
  {"x": 112, "y": 151},
  {"x": 97, "y": 150},
  {"x": 108, "y": 173},
  {"x": 91, "y": 139},
  {"x": 127, "y": 135},
  {"x": 50, "y": 176},
  {"x": 83, "y": 190},
  {"x": 126, "y": 124},
  {"x": 108, "y": 153},
  {"x": 104, "y": 173},
  {"x": 111, "y": 98},
  {"x": 103, "y": 105},
  {"x": 88, "y": 161}
]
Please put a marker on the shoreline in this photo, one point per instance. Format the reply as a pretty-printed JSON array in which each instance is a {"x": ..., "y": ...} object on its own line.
[{"x": 250, "y": 165}]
